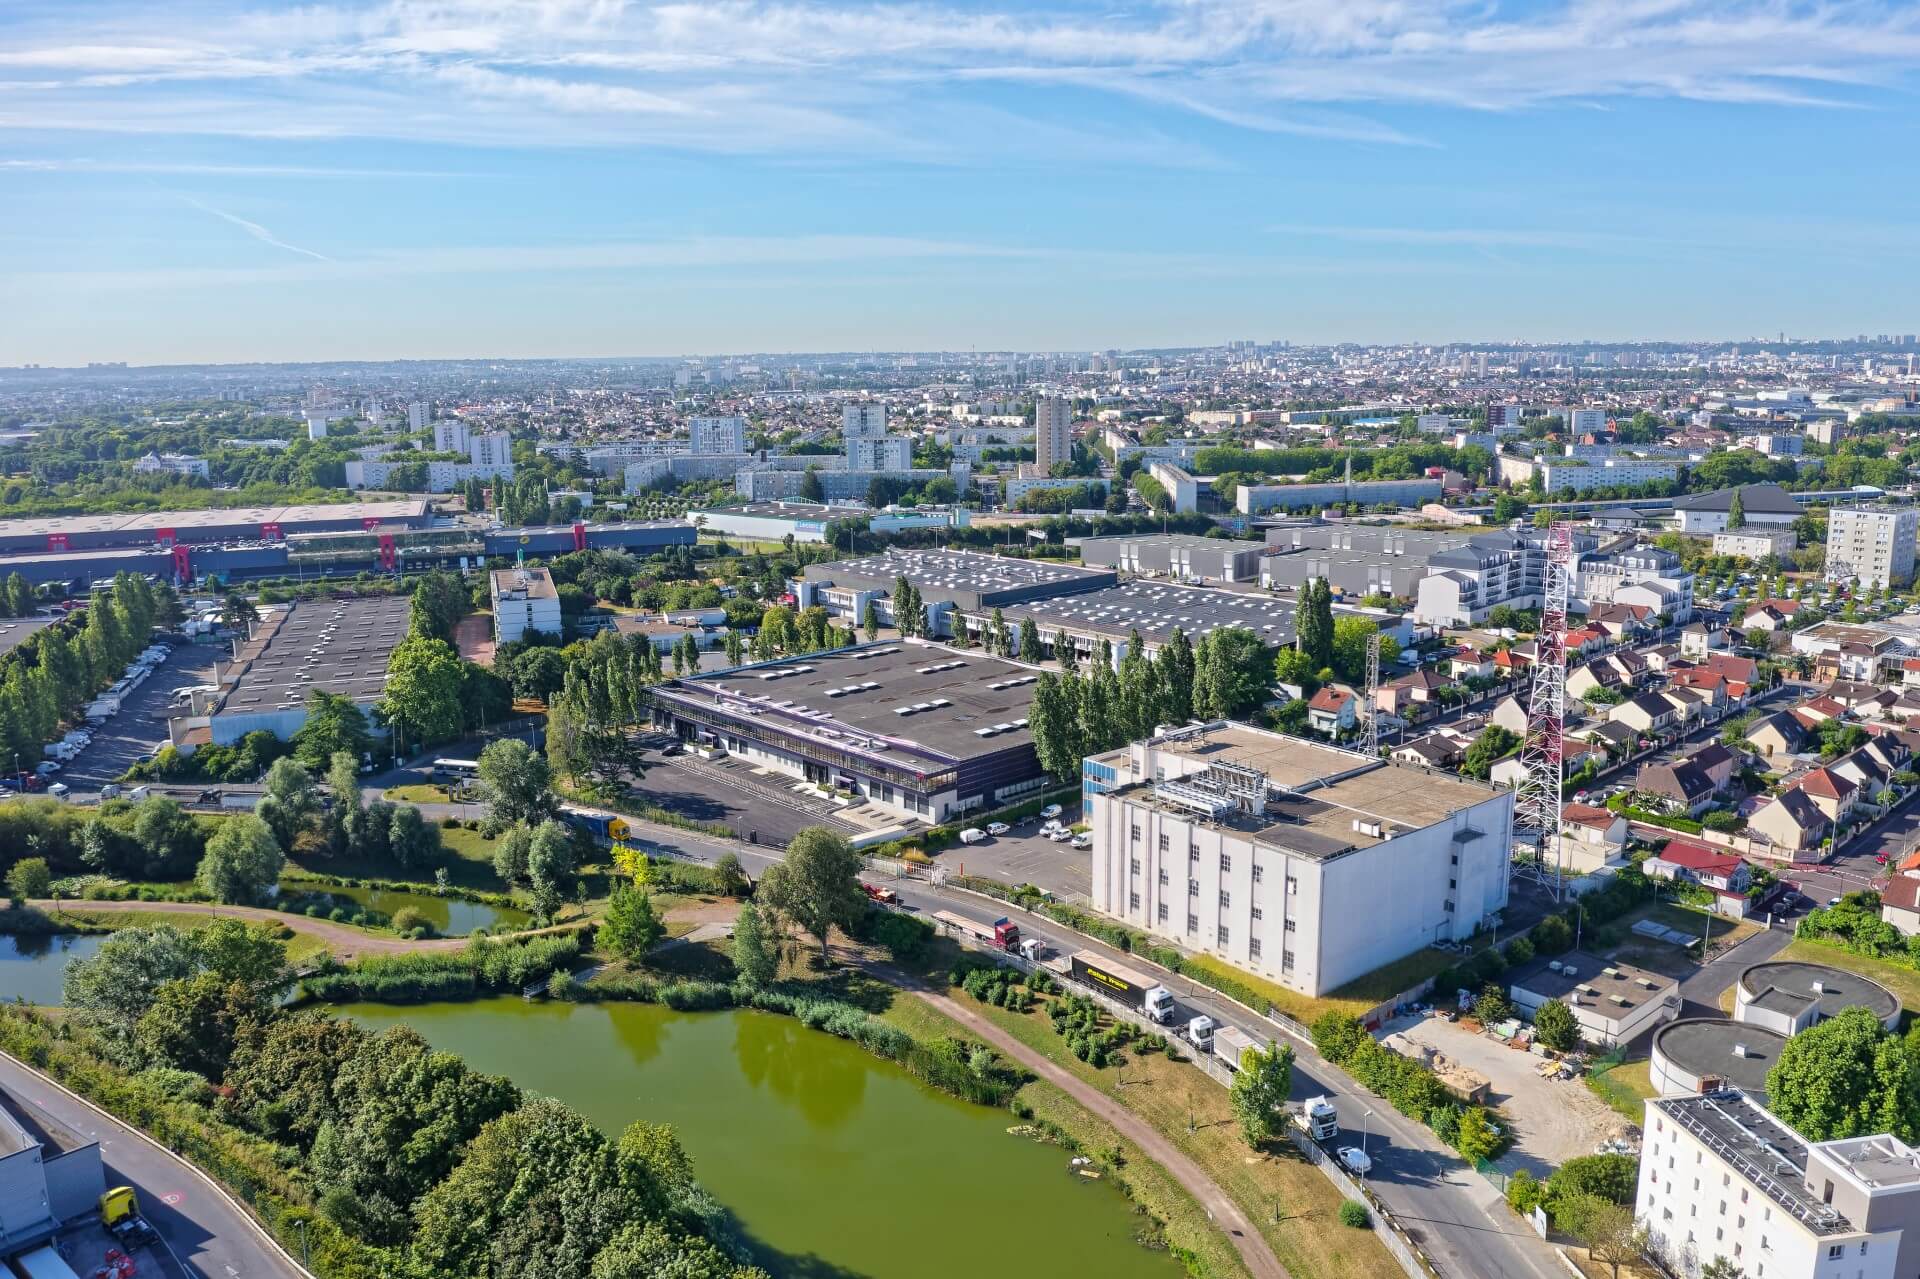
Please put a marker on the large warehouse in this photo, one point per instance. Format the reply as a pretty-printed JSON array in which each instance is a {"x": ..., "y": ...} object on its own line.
[
  {"x": 920, "y": 730},
  {"x": 1179, "y": 555},
  {"x": 340, "y": 645},
  {"x": 948, "y": 582},
  {"x": 266, "y": 523},
  {"x": 1308, "y": 864},
  {"x": 1156, "y": 610}
]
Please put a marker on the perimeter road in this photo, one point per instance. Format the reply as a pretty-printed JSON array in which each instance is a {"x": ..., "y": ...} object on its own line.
[{"x": 211, "y": 1235}]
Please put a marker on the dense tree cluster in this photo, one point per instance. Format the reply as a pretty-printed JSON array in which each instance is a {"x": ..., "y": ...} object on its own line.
[{"x": 53, "y": 673}]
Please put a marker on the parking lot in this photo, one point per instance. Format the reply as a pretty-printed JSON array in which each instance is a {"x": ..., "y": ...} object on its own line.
[
  {"x": 141, "y": 723},
  {"x": 1024, "y": 856},
  {"x": 1554, "y": 1119},
  {"x": 757, "y": 807}
]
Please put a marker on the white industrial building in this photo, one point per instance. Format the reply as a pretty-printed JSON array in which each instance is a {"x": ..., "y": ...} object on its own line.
[
  {"x": 524, "y": 601},
  {"x": 1722, "y": 1177},
  {"x": 1871, "y": 545},
  {"x": 50, "y": 1175},
  {"x": 1613, "y": 1003},
  {"x": 1305, "y": 863}
]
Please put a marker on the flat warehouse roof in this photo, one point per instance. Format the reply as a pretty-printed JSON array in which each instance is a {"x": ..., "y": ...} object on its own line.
[
  {"x": 411, "y": 508},
  {"x": 1155, "y": 609},
  {"x": 15, "y": 630},
  {"x": 950, "y": 575},
  {"x": 910, "y": 704},
  {"x": 1192, "y": 541},
  {"x": 341, "y": 645}
]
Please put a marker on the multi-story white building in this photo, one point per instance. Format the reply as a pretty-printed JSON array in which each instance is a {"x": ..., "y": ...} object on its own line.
[
  {"x": 1722, "y": 1177},
  {"x": 1052, "y": 432},
  {"x": 1871, "y": 545},
  {"x": 879, "y": 453},
  {"x": 171, "y": 463},
  {"x": 706, "y": 435},
  {"x": 419, "y": 413},
  {"x": 1307, "y": 864},
  {"x": 1582, "y": 421},
  {"x": 1643, "y": 575},
  {"x": 493, "y": 452},
  {"x": 450, "y": 435},
  {"x": 863, "y": 419},
  {"x": 1755, "y": 541},
  {"x": 1502, "y": 418},
  {"x": 524, "y": 600},
  {"x": 1612, "y": 472}
]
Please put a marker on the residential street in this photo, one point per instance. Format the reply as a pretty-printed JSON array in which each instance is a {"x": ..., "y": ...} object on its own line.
[{"x": 209, "y": 1234}]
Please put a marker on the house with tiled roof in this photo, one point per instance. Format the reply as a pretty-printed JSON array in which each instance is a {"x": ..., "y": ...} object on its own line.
[
  {"x": 1436, "y": 750},
  {"x": 1696, "y": 863},
  {"x": 1678, "y": 788},
  {"x": 1332, "y": 710},
  {"x": 1769, "y": 615},
  {"x": 1900, "y": 904},
  {"x": 1647, "y": 713},
  {"x": 1662, "y": 659},
  {"x": 1833, "y": 794},
  {"x": 1741, "y": 669},
  {"x": 1508, "y": 661},
  {"x": 1792, "y": 822},
  {"x": 1470, "y": 663},
  {"x": 1822, "y": 709},
  {"x": 1776, "y": 734},
  {"x": 1717, "y": 762},
  {"x": 1591, "y": 837},
  {"x": 1417, "y": 688}
]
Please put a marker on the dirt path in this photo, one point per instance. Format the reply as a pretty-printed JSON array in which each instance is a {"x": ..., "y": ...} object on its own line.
[
  {"x": 344, "y": 942},
  {"x": 1251, "y": 1245}
]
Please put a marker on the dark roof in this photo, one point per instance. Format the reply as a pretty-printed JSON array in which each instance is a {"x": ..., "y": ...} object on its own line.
[
  {"x": 1682, "y": 781},
  {"x": 1755, "y": 499}
]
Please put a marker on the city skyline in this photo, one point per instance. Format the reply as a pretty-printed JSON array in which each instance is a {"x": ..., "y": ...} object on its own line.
[{"x": 231, "y": 182}]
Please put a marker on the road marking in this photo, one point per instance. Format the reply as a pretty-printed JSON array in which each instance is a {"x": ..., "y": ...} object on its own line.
[{"x": 171, "y": 1198}]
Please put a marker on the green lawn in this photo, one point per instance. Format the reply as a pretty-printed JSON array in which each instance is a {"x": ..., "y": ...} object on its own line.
[
  {"x": 300, "y": 946},
  {"x": 1351, "y": 999},
  {"x": 470, "y": 866},
  {"x": 419, "y": 793},
  {"x": 1625, "y": 1088}
]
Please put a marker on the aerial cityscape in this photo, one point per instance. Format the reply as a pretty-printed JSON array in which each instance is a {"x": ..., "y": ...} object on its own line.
[{"x": 738, "y": 641}]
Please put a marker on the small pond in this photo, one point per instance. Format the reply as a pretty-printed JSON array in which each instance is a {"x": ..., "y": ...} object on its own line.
[
  {"x": 33, "y": 968},
  {"x": 450, "y": 916}
]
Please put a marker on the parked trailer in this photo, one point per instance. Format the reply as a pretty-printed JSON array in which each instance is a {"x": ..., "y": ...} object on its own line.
[
  {"x": 1130, "y": 987},
  {"x": 44, "y": 1262},
  {"x": 1002, "y": 933},
  {"x": 1229, "y": 1042}
]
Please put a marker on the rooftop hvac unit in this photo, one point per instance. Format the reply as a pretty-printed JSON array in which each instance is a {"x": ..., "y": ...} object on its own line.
[
  {"x": 1611, "y": 972},
  {"x": 1740, "y": 1050},
  {"x": 1819, "y": 988},
  {"x": 1366, "y": 827},
  {"x": 1554, "y": 965},
  {"x": 1568, "y": 969},
  {"x": 1193, "y": 798}
]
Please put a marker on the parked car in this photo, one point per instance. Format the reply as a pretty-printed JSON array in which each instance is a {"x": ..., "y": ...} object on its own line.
[
  {"x": 1355, "y": 1161},
  {"x": 972, "y": 835},
  {"x": 1051, "y": 810},
  {"x": 1059, "y": 834},
  {"x": 998, "y": 828}
]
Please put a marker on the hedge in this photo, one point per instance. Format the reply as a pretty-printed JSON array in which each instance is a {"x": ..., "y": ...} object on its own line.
[{"x": 480, "y": 967}]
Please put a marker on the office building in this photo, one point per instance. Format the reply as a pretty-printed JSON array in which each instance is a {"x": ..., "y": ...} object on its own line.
[
  {"x": 1722, "y": 1177},
  {"x": 1052, "y": 432},
  {"x": 1871, "y": 546},
  {"x": 709, "y": 435},
  {"x": 863, "y": 420},
  {"x": 917, "y": 729},
  {"x": 879, "y": 453},
  {"x": 524, "y": 600},
  {"x": 1305, "y": 863}
]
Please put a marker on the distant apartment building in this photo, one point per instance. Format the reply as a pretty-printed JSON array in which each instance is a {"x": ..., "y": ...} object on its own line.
[
  {"x": 866, "y": 419},
  {"x": 1305, "y": 863},
  {"x": 171, "y": 464},
  {"x": 1052, "y": 432},
  {"x": 450, "y": 436},
  {"x": 419, "y": 413},
  {"x": 1583, "y": 421},
  {"x": 1756, "y": 542},
  {"x": 493, "y": 452},
  {"x": 1612, "y": 472},
  {"x": 879, "y": 453},
  {"x": 1640, "y": 575},
  {"x": 1503, "y": 418},
  {"x": 1871, "y": 545},
  {"x": 524, "y": 601},
  {"x": 711, "y": 435}
]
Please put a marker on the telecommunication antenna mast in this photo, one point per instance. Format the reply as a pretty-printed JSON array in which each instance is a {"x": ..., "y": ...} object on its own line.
[
  {"x": 1537, "y": 806},
  {"x": 1373, "y": 696}
]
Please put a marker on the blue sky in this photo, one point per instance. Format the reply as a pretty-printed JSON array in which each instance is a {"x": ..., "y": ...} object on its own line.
[{"x": 221, "y": 180}]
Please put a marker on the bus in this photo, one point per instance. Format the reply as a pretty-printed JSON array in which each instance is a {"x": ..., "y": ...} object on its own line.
[{"x": 457, "y": 770}]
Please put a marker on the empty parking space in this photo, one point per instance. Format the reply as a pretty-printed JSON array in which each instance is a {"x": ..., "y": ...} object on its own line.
[
  {"x": 755, "y": 806},
  {"x": 1024, "y": 856}
]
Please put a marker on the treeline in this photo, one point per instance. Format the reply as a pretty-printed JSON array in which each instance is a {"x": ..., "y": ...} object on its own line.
[
  {"x": 400, "y": 1159},
  {"x": 481, "y": 967},
  {"x": 1075, "y": 715},
  {"x": 432, "y": 693},
  {"x": 52, "y": 674}
]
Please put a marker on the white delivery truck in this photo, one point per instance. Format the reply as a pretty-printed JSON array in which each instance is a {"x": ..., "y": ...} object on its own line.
[
  {"x": 1200, "y": 1033},
  {"x": 1318, "y": 1119}
]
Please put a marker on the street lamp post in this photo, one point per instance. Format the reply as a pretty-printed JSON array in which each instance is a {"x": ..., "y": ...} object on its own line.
[{"x": 1364, "y": 1129}]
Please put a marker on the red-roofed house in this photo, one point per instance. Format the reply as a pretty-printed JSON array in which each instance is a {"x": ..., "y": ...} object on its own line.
[
  {"x": 1470, "y": 663},
  {"x": 1693, "y": 863},
  {"x": 1831, "y": 793},
  {"x": 1332, "y": 710},
  {"x": 1591, "y": 837},
  {"x": 1900, "y": 904}
]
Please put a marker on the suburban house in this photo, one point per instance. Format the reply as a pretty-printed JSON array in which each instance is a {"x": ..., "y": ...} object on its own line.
[
  {"x": 1820, "y": 710},
  {"x": 1831, "y": 793},
  {"x": 1510, "y": 713},
  {"x": 1421, "y": 688},
  {"x": 1910, "y": 672},
  {"x": 1470, "y": 663},
  {"x": 1512, "y": 661},
  {"x": 1696, "y": 641},
  {"x": 1900, "y": 904},
  {"x": 1680, "y": 788},
  {"x": 1607, "y": 736},
  {"x": 1793, "y": 823},
  {"x": 1591, "y": 837},
  {"x": 1594, "y": 675},
  {"x": 1436, "y": 750},
  {"x": 1620, "y": 620},
  {"x": 1700, "y": 680},
  {"x": 1726, "y": 875},
  {"x": 1508, "y": 772},
  {"x": 1662, "y": 659},
  {"x": 1717, "y": 762},
  {"x": 1769, "y": 615},
  {"x": 1776, "y": 734},
  {"x": 1332, "y": 710},
  {"x": 1843, "y": 651},
  {"x": 1647, "y": 713},
  {"x": 1866, "y": 770}
]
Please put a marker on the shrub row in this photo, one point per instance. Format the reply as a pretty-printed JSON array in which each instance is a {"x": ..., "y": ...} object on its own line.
[
  {"x": 1408, "y": 1086},
  {"x": 480, "y": 967}
]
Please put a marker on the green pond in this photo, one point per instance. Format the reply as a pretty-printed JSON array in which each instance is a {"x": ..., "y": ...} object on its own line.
[
  {"x": 836, "y": 1163},
  {"x": 33, "y": 968},
  {"x": 450, "y": 916}
]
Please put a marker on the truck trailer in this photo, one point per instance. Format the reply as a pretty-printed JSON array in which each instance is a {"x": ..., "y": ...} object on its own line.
[
  {"x": 1124, "y": 984},
  {"x": 1229, "y": 1042},
  {"x": 1001, "y": 934}
]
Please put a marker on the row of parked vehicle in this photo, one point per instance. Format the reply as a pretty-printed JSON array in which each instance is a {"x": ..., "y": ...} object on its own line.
[{"x": 1051, "y": 829}]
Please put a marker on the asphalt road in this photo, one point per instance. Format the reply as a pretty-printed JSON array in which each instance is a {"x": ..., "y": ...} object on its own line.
[
  {"x": 1455, "y": 1215},
  {"x": 212, "y": 1237}
]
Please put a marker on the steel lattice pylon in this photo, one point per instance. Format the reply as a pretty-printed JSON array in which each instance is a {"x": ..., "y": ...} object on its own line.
[
  {"x": 1536, "y": 815},
  {"x": 1373, "y": 697}
]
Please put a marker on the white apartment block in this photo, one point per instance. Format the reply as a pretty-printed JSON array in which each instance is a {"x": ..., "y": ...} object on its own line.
[
  {"x": 1720, "y": 1176},
  {"x": 863, "y": 420},
  {"x": 1755, "y": 542},
  {"x": 1581, "y": 421},
  {"x": 707, "y": 435},
  {"x": 1873, "y": 545},
  {"x": 1644, "y": 575},
  {"x": 524, "y": 600},
  {"x": 450, "y": 436},
  {"x": 419, "y": 413},
  {"x": 1613, "y": 472},
  {"x": 1052, "y": 431},
  {"x": 493, "y": 451},
  {"x": 879, "y": 453},
  {"x": 1307, "y": 864}
]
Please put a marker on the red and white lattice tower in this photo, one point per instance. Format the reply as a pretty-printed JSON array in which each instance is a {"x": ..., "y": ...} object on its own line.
[{"x": 1536, "y": 815}]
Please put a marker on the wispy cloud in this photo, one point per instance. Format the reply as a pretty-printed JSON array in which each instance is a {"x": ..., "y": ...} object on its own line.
[
  {"x": 255, "y": 230},
  {"x": 220, "y": 170},
  {"x": 741, "y": 75}
]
